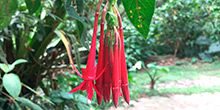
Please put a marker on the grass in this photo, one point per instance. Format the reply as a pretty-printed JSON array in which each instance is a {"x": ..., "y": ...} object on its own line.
[
  {"x": 176, "y": 73},
  {"x": 189, "y": 90}
]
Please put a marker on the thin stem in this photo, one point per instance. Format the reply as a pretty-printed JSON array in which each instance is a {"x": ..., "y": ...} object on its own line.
[
  {"x": 104, "y": 12},
  {"x": 8, "y": 96}
]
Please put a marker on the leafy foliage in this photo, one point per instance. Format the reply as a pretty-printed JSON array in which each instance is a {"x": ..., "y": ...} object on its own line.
[
  {"x": 33, "y": 5},
  {"x": 140, "y": 13},
  {"x": 12, "y": 84},
  {"x": 8, "y": 8},
  {"x": 27, "y": 31},
  {"x": 178, "y": 24}
]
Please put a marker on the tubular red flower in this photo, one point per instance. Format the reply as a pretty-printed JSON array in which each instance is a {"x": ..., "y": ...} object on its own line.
[
  {"x": 100, "y": 64},
  {"x": 124, "y": 73},
  {"x": 115, "y": 74},
  {"x": 107, "y": 74},
  {"x": 89, "y": 74}
]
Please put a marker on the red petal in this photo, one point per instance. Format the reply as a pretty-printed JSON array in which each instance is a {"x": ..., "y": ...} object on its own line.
[
  {"x": 90, "y": 90},
  {"x": 78, "y": 87},
  {"x": 97, "y": 92},
  {"x": 100, "y": 66},
  {"x": 92, "y": 53}
]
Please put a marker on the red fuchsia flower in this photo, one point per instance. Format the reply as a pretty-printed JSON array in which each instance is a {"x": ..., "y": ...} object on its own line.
[
  {"x": 124, "y": 72},
  {"x": 89, "y": 74},
  {"x": 116, "y": 73},
  {"x": 100, "y": 64},
  {"x": 107, "y": 75}
]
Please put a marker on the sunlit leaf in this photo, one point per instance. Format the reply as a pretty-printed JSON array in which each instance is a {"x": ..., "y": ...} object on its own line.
[
  {"x": 140, "y": 13},
  {"x": 12, "y": 84},
  {"x": 9, "y": 67},
  {"x": 66, "y": 44},
  {"x": 4, "y": 67},
  {"x": 19, "y": 61}
]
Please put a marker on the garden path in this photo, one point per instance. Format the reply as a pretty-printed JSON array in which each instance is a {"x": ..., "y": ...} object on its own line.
[{"x": 202, "y": 101}]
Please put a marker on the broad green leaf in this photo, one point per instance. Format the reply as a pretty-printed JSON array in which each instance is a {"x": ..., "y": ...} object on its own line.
[
  {"x": 32, "y": 90},
  {"x": 28, "y": 103},
  {"x": 140, "y": 13},
  {"x": 81, "y": 98},
  {"x": 214, "y": 47},
  {"x": 57, "y": 100},
  {"x": 32, "y": 5},
  {"x": 66, "y": 95},
  {"x": 12, "y": 84},
  {"x": 82, "y": 106},
  {"x": 7, "y": 10}
]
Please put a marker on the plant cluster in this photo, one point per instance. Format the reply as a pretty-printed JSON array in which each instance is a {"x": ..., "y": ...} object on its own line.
[
  {"x": 111, "y": 72},
  {"x": 186, "y": 28}
]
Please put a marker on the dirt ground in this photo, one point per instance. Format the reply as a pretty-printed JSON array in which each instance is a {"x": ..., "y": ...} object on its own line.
[{"x": 204, "y": 101}]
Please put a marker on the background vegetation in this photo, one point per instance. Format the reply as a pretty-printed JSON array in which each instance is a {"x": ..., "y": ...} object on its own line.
[{"x": 184, "y": 28}]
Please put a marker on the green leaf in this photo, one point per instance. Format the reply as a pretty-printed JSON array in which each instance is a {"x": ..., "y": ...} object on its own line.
[
  {"x": 19, "y": 61},
  {"x": 214, "y": 47},
  {"x": 80, "y": 23},
  {"x": 140, "y": 13},
  {"x": 152, "y": 65},
  {"x": 66, "y": 95},
  {"x": 12, "y": 84},
  {"x": 28, "y": 103},
  {"x": 33, "y": 5},
  {"x": 32, "y": 90},
  {"x": 8, "y": 8},
  {"x": 17, "y": 106},
  {"x": 12, "y": 66},
  {"x": 57, "y": 100},
  {"x": 9, "y": 67},
  {"x": 4, "y": 67},
  {"x": 162, "y": 68},
  {"x": 79, "y": 4},
  {"x": 82, "y": 106}
]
